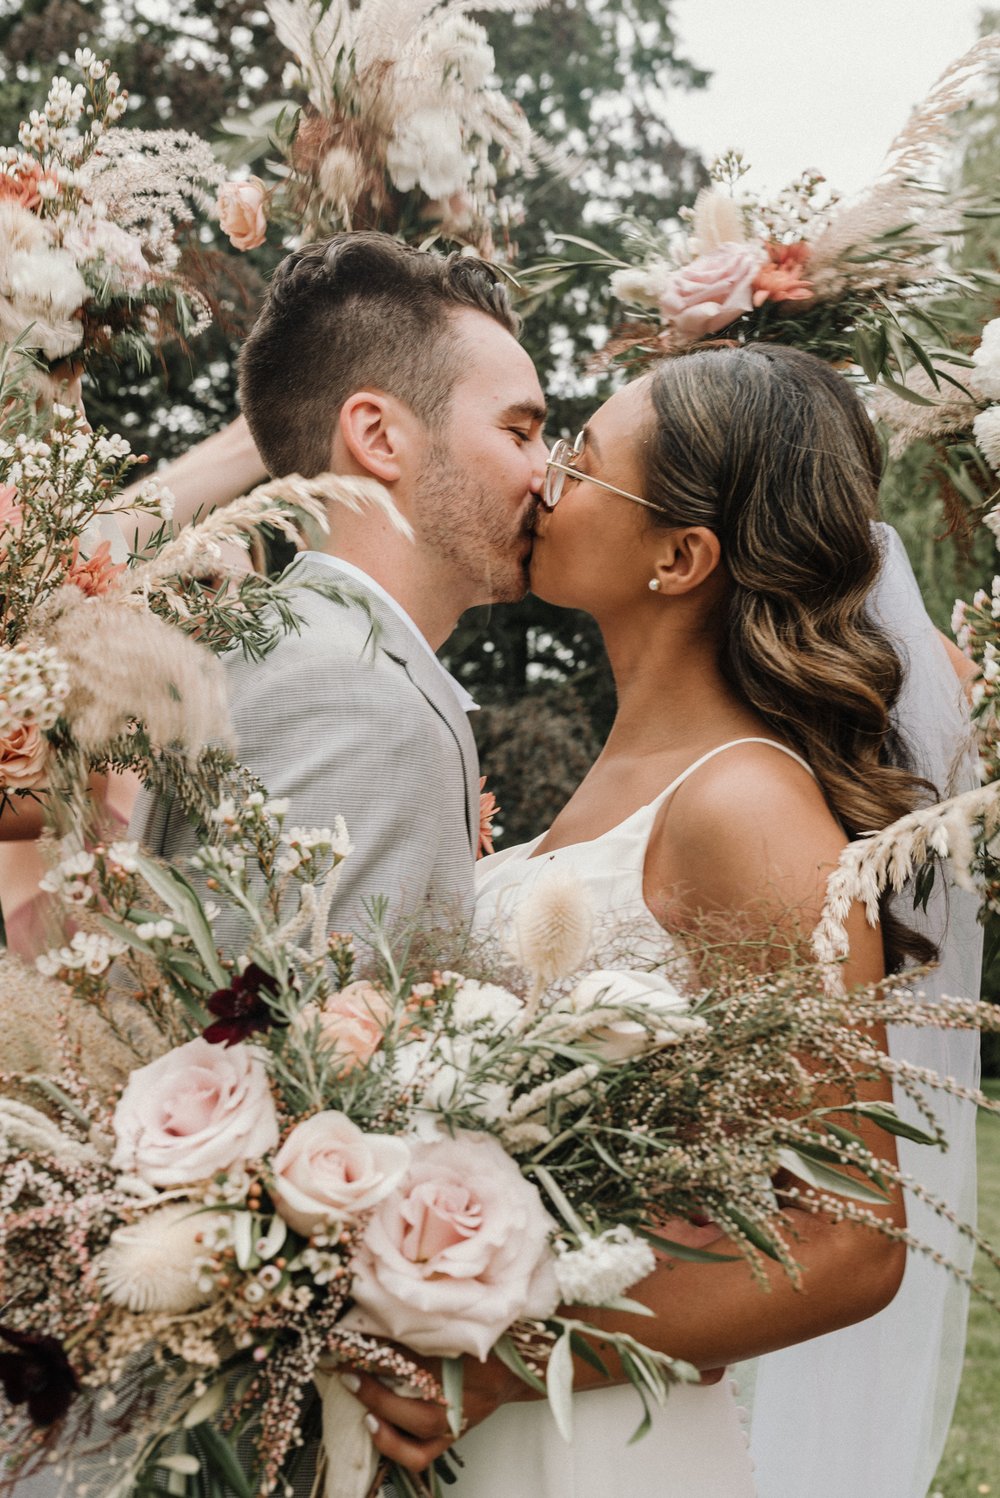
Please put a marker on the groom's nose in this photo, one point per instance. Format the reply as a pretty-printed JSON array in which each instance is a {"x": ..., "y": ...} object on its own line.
[{"x": 539, "y": 457}]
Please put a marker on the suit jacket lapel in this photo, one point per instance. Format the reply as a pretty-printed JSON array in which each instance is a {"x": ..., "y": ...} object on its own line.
[{"x": 396, "y": 640}]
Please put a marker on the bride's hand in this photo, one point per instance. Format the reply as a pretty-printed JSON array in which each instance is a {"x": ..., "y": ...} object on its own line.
[{"x": 413, "y": 1432}]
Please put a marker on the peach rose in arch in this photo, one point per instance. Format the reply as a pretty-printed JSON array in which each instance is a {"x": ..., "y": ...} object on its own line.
[
  {"x": 242, "y": 213},
  {"x": 782, "y": 279},
  {"x": 24, "y": 755},
  {"x": 93, "y": 575}
]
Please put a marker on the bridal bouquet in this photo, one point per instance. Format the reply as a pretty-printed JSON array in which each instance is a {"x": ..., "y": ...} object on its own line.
[
  {"x": 848, "y": 280},
  {"x": 394, "y": 124},
  {"x": 312, "y": 1168},
  {"x": 89, "y": 218}
]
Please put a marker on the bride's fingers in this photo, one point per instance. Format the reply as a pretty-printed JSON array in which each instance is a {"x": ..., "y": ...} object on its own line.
[
  {"x": 396, "y": 1446},
  {"x": 420, "y": 1419}
]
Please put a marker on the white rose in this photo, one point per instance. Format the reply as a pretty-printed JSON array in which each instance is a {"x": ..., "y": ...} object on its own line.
[
  {"x": 427, "y": 151},
  {"x": 456, "y": 1254},
  {"x": 199, "y": 1109},
  {"x": 477, "y": 1002},
  {"x": 329, "y": 1171},
  {"x": 668, "y": 1011}
]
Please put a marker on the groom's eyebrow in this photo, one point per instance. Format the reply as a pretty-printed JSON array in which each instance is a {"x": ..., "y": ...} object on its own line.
[
  {"x": 524, "y": 411},
  {"x": 590, "y": 441}
]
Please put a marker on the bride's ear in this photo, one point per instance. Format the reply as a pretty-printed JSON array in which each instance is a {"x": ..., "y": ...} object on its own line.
[{"x": 685, "y": 558}]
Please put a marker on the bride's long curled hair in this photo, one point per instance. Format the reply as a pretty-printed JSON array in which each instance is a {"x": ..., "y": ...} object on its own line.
[{"x": 772, "y": 449}]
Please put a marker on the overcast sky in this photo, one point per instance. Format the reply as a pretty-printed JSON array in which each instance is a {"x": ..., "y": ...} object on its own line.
[{"x": 812, "y": 83}]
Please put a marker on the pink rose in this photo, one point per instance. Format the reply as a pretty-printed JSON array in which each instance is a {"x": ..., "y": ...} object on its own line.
[
  {"x": 713, "y": 290},
  {"x": 329, "y": 1171},
  {"x": 24, "y": 753},
  {"x": 199, "y": 1109},
  {"x": 241, "y": 212},
  {"x": 352, "y": 1023},
  {"x": 456, "y": 1254}
]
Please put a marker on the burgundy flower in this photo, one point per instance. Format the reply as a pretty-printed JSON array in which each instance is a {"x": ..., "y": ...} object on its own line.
[
  {"x": 38, "y": 1375},
  {"x": 241, "y": 1008}
]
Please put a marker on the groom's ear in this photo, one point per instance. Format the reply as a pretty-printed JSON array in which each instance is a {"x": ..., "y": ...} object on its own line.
[
  {"x": 686, "y": 557},
  {"x": 375, "y": 433}
]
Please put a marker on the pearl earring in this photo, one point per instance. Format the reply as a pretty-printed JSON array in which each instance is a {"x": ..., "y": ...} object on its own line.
[{"x": 654, "y": 585}]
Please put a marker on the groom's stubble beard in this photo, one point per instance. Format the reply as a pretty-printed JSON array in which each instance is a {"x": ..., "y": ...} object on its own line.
[{"x": 469, "y": 523}]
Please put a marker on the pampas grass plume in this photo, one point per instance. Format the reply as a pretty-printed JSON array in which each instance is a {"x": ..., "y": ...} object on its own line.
[
  {"x": 126, "y": 664},
  {"x": 553, "y": 926}
]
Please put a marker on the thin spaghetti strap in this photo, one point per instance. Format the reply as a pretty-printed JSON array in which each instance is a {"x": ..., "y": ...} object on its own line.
[{"x": 719, "y": 748}]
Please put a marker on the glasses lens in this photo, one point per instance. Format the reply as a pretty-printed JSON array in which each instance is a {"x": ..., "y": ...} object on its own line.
[{"x": 554, "y": 477}]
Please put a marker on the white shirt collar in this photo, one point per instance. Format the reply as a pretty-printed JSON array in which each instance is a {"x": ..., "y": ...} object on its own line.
[{"x": 466, "y": 702}]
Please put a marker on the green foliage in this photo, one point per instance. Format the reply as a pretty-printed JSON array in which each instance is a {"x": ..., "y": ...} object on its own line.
[{"x": 971, "y": 1462}]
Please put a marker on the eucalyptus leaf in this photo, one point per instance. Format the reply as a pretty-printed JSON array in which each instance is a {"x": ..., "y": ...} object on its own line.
[
  {"x": 508, "y": 1354},
  {"x": 451, "y": 1382},
  {"x": 178, "y": 895},
  {"x": 220, "y": 1455},
  {"x": 559, "y": 1386},
  {"x": 825, "y": 1179},
  {"x": 183, "y": 1462},
  {"x": 682, "y": 1251}
]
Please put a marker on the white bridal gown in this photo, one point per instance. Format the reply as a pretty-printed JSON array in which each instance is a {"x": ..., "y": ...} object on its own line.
[{"x": 697, "y": 1447}]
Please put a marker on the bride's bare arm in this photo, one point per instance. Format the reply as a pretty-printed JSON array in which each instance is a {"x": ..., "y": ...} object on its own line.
[{"x": 217, "y": 470}]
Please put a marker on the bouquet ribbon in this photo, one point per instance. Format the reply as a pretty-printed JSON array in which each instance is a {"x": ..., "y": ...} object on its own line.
[{"x": 348, "y": 1460}]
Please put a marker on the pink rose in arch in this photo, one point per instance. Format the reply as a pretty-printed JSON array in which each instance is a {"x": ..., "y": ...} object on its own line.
[{"x": 713, "y": 290}]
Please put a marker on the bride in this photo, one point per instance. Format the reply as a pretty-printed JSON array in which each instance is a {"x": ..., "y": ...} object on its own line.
[{"x": 715, "y": 517}]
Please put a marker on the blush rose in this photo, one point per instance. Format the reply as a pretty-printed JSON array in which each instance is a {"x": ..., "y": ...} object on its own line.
[
  {"x": 666, "y": 1012},
  {"x": 456, "y": 1253},
  {"x": 352, "y": 1023},
  {"x": 241, "y": 213},
  {"x": 199, "y": 1109},
  {"x": 24, "y": 755},
  {"x": 713, "y": 290},
  {"x": 329, "y": 1171}
]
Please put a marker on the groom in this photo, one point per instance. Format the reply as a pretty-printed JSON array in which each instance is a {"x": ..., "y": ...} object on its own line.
[{"x": 374, "y": 360}]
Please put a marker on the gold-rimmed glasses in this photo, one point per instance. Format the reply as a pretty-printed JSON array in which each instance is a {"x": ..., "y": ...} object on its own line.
[{"x": 559, "y": 466}]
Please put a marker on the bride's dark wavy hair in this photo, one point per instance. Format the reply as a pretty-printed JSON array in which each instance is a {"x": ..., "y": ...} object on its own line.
[{"x": 773, "y": 450}]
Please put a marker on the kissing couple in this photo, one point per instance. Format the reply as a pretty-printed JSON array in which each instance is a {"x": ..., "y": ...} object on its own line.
[{"x": 780, "y": 692}]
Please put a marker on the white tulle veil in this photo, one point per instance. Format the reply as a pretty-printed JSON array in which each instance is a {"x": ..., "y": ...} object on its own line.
[{"x": 867, "y": 1409}]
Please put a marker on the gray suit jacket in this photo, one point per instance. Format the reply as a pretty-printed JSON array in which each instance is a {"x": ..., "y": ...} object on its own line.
[{"x": 339, "y": 718}]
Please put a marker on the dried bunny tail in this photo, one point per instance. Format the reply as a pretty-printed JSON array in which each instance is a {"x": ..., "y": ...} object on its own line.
[
  {"x": 952, "y": 412},
  {"x": 918, "y": 146},
  {"x": 886, "y": 860},
  {"x": 128, "y": 665},
  {"x": 553, "y": 925},
  {"x": 197, "y": 549}
]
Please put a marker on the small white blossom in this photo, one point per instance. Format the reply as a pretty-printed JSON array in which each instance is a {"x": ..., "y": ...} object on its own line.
[
  {"x": 602, "y": 1268},
  {"x": 986, "y": 429}
]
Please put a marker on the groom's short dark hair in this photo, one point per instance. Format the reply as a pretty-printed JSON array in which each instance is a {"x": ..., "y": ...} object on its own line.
[{"x": 359, "y": 311}]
